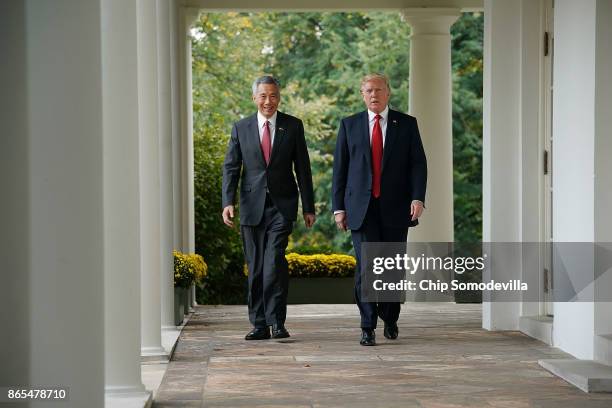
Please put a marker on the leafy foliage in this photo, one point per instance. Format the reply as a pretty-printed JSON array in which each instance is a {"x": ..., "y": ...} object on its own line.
[
  {"x": 219, "y": 245},
  {"x": 319, "y": 59},
  {"x": 188, "y": 269},
  {"x": 467, "y": 37},
  {"x": 321, "y": 265}
]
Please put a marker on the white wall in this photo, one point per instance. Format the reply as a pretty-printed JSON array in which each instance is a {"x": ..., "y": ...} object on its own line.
[
  {"x": 582, "y": 147},
  {"x": 603, "y": 164},
  {"x": 574, "y": 154},
  {"x": 603, "y": 122}
]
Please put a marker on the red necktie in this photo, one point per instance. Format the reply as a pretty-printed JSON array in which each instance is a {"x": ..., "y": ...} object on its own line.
[
  {"x": 266, "y": 142},
  {"x": 377, "y": 155}
]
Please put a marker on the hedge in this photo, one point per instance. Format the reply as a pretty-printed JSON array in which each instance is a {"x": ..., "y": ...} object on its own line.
[{"x": 320, "y": 265}]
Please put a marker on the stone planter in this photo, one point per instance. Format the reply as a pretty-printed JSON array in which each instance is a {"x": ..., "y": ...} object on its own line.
[
  {"x": 179, "y": 308},
  {"x": 321, "y": 290},
  {"x": 190, "y": 299},
  {"x": 185, "y": 300}
]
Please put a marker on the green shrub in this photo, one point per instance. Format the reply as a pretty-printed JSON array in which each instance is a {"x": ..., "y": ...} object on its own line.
[
  {"x": 221, "y": 246},
  {"x": 311, "y": 250}
]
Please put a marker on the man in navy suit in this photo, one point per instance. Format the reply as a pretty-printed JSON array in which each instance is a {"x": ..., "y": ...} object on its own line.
[{"x": 378, "y": 191}]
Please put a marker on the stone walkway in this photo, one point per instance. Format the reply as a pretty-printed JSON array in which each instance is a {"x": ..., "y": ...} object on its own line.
[{"x": 442, "y": 359}]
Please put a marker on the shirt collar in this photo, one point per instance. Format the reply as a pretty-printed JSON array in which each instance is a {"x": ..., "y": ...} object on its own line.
[
  {"x": 261, "y": 119},
  {"x": 371, "y": 115}
]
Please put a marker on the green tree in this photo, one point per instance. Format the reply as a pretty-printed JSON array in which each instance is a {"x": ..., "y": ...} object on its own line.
[
  {"x": 467, "y": 37},
  {"x": 326, "y": 54},
  {"x": 319, "y": 59},
  {"x": 224, "y": 62}
]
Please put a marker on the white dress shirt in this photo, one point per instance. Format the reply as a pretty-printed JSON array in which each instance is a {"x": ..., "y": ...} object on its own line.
[
  {"x": 261, "y": 120},
  {"x": 383, "y": 123}
]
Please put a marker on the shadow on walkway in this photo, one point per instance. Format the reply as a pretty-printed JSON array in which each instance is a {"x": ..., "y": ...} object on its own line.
[{"x": 442, "y": 359}]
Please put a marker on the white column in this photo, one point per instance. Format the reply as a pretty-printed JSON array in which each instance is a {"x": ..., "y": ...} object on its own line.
[
  {"x": 15, "y": 249},
  {"x": 53, "y": 164},
  {"x": 148, "y": 114},
  {"x": 177, "y": 78},
  {"x": 186, "y": 18},
  {"x": 430, "y": 101},
  {"x": 501, "y": 178},
  {"x": 122, "y": 262},
  {"x": 165, "y": 165}
]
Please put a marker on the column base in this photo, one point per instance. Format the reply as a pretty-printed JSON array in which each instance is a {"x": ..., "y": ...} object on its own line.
[
  {"x": 538, "y": 327},
  {"x": 587, "y": 375},
  {"x": 150, "y": 354},
  {"x": 170, "y": 338},
  {"x": 142, "y": 399},
  {"x": 124, "y": 389}
]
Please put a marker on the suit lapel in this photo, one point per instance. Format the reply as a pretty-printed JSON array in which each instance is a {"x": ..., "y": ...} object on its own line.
[
  {"x": 390, "y": 137},
  {"x": 365, "y": 137},
  {"x": 279, "y": 134},
  {"x": 254, "y": 142}
]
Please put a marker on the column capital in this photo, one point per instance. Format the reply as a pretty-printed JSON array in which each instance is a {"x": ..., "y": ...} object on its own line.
[
  {"x": 189, "y": 16},
  {"x": 430, "y": 20}
]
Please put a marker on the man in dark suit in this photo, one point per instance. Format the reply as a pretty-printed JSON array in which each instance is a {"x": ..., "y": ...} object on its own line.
[
  {"x": 378, "y": 192},
  {"x": 263, "y": 151}
]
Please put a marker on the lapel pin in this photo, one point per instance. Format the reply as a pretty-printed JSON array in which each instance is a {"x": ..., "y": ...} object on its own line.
[
  {"x": 395, "y": 121},
  {"x": 280, "y": 128}
]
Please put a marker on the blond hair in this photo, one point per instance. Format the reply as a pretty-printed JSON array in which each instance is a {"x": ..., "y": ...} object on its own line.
[{"x": 374, "y": 76}]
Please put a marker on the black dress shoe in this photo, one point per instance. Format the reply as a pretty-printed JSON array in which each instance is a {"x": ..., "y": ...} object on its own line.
[
  {"x": 279, "y": 331},
  {"x": 391, "y": 331},
  {"x": 368, "y": 337},
  {"x": 258, "y": 333}
]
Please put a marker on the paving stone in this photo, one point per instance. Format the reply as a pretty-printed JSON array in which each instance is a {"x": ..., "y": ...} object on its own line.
[
  {"x": 177, "y": 403},
  {"x": 442, "y": 359}
]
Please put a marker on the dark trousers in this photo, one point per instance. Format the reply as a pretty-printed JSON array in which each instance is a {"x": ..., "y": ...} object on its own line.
[
  {"x": 264, "y": 249},
  {"x": 372, "y": 230}
]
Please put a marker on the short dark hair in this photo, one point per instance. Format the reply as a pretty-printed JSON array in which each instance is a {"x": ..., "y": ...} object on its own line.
[{"x": 265, "y": 79}]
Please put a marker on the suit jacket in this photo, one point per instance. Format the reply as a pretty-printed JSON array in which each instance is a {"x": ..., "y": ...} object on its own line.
[
  {"x": 244, "y": 155},
  {"x": 404, "y": 170}
]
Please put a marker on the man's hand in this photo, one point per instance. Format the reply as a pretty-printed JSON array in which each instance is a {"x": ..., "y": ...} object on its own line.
[
  {"x": 416, "y": 209},
  {"x": 309, "y": 219},
  {"x": 341, "y": 220},
  {"x": 228, "y": 214}
]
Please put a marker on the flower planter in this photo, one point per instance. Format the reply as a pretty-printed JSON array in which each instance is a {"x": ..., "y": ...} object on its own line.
[
  {"x": 189, "y": 303},
  {"x": 185, "y": 300},
  {"x": 179, "y": 308},
  {"x": 321, "y": 290}
]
